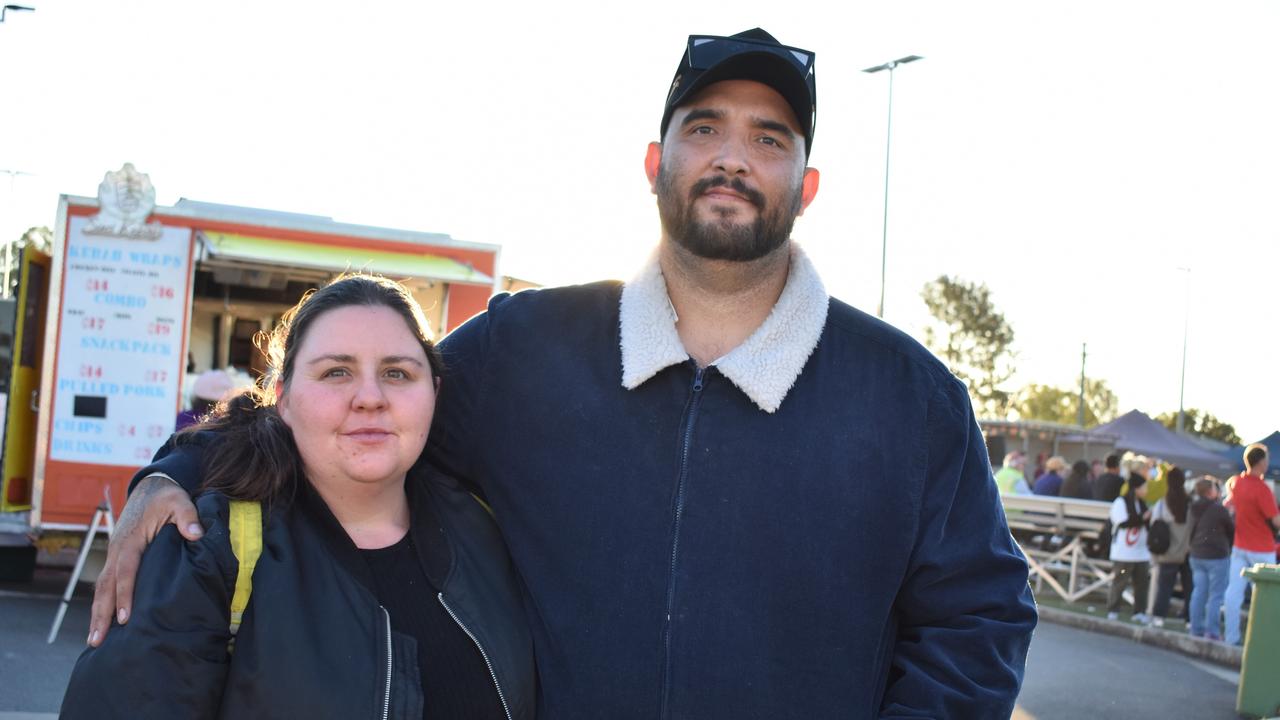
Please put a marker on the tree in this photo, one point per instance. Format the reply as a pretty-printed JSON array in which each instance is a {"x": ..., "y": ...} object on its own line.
[
  {"x": 1061, "y": 405},
  {"x": 39, "y": 238},
  {"x": 972, "y": 338},
  {"x": 1203, "y": 424}
]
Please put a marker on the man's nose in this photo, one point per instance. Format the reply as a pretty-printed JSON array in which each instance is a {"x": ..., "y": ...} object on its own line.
[{"x": 731, "y": 157}]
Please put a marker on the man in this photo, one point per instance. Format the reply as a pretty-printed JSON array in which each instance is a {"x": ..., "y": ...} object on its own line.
[
  {"x": 1009, "y": 477},
  {"x": 728, "y": 494},
  {"x": 1257, "y": 520},
  {"x": 1107, "y": 486}
]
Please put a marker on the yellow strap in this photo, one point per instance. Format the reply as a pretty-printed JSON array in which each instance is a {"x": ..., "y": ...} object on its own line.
[
  {"x": 483, "y": 504},
  {"x": 246, "y": 543}
]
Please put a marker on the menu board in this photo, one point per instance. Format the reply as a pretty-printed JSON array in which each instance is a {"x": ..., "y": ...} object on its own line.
[{"x": 120, "y": 345}]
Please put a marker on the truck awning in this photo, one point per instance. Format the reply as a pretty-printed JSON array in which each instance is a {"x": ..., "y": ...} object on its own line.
[{"x": 336, "y": 258}]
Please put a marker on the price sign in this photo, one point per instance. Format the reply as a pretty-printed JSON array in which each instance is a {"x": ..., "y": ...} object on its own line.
[{"x": 120, "y": 344}]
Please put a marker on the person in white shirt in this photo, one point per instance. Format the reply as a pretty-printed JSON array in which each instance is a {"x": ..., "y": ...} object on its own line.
[{"x": 1129, "y": 555}]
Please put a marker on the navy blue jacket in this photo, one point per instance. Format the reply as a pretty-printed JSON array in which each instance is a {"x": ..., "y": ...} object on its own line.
[{"x": 688, "y": 555}]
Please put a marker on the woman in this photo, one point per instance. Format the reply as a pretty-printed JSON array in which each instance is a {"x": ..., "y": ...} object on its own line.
[
  {"x": 1129, "y": 554},
  {"x": 1172, "y": 563},
  {"x": 1050, "y": 483},
  {"x": 1078, "y": 485},
  {"x": 1212, "y": 532},
  {"x": 372, "y": 597}
]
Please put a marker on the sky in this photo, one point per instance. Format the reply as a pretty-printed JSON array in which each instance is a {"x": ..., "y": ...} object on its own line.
[{"x": 1075, "y": 157}]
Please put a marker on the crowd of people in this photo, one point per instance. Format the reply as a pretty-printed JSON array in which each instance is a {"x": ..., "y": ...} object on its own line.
[{"x": 1168, "y": 530}]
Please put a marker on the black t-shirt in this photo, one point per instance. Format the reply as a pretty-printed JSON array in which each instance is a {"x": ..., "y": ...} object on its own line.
[{"x": 455, "y": 678}]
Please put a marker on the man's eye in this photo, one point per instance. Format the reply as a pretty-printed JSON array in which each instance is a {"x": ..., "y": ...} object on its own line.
[
  {"x": 702, "y": 130},
  {"x": 767, "y": 140}
]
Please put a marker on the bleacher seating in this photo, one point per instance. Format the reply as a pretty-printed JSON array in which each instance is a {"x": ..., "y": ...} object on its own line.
[{"x": 1060, "y": 537}]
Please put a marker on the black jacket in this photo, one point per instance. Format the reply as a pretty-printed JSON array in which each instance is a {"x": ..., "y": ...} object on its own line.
[
  {"x": 314, "y": 642},
  {"x": 1212, "y": 530}
]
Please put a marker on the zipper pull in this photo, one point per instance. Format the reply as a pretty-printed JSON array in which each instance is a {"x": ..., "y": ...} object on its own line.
[{"x": 697, "y": 379}]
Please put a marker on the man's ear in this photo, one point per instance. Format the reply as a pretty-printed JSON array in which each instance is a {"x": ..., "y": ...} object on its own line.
[
  {"x": 808, "y": 189},
  {"x": 652, "y": 160}
]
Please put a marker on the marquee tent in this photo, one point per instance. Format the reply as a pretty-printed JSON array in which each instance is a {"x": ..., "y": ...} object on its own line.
[
  {"x": 1139, "y": 433},
  {"x": 1272, "y": 442}
]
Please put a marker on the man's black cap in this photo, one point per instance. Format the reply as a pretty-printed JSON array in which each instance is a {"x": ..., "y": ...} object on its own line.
[{"x": 749, "y": 55}]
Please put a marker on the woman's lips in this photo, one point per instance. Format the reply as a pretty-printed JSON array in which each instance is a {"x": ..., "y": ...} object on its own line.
[{"x": 368, "y": 435}]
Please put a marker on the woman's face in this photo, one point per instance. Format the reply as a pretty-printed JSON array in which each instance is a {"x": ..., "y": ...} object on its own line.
[{"x": 361, "y": 396}]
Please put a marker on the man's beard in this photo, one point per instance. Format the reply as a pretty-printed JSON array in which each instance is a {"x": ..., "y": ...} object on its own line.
[{"x": 724, "y": 239}]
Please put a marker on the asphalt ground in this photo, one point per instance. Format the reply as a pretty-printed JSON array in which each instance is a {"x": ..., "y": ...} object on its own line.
[
  {"x": 33, "y": 674},
  {"x": 1073, "y": 673}
]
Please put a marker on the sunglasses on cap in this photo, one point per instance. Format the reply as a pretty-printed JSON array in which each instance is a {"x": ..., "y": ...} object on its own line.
[{"x": 705, "y": 51}]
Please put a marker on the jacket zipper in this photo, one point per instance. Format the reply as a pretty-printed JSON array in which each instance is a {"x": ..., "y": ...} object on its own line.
[
  {"x": 386, "y": 698},
  {"x": 494, "y": 676},
  {"x": 690, "y": 416}
]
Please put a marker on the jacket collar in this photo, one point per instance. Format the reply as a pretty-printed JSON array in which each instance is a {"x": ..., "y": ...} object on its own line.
[
  {"x": 432, "y": 546},
  {"x": 764, "y": 367}
]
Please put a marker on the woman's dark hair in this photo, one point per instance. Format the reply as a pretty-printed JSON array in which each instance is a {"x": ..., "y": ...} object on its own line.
[
  {"x": 1077, "y": 483},
  {"x": 1176, "y": 497},
  {"x": 1079, "y": 471},
  {"x": 256, "y": 458},
  {"x": 1135, "y": 505}
]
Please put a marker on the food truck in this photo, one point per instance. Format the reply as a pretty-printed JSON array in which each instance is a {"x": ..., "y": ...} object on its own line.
[{"x": 135, "y": 298}]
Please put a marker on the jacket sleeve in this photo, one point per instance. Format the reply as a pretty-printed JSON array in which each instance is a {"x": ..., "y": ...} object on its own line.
[
  {"x": 450, "y": 447},
  {"x": 171, "y": 659},
  {"x": 181, "y": 458},
  {"x": 965, "y": 610}
]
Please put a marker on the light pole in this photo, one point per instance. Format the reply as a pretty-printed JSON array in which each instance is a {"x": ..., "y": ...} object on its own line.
[
  {"x": 8, "y": 258},
  {"x": 884, "y": 232},
  {"x": 8, "y": 249},
  {"x": 1084, "y": 353},
  {"x": 1186, "y": 321},
  {"x": 15, "y": 8}
]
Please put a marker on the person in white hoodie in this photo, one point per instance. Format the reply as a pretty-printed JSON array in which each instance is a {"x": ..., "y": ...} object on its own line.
[{"x": 1129, "y": 555}]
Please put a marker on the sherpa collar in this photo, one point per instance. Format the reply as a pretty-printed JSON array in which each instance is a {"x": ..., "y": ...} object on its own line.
[{"x": 764, "y": 367}]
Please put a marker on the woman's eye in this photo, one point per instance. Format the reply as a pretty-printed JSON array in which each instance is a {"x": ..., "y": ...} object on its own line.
[
  {"x": 335, "y": 372},
  {"x": 397, "y": 374}
]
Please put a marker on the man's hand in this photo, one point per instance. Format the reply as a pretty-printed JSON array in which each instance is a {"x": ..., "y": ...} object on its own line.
[{"x": 155, "y": 502}]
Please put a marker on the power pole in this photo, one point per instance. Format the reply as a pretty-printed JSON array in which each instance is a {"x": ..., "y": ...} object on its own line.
[{"x": 1084, "y": 353}]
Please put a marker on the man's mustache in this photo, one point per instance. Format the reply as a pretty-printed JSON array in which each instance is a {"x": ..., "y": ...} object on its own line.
[{"x": 753, "y": 196}]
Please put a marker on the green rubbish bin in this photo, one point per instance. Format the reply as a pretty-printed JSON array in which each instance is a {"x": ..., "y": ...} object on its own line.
[{"x": 1260, "y": 669}]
